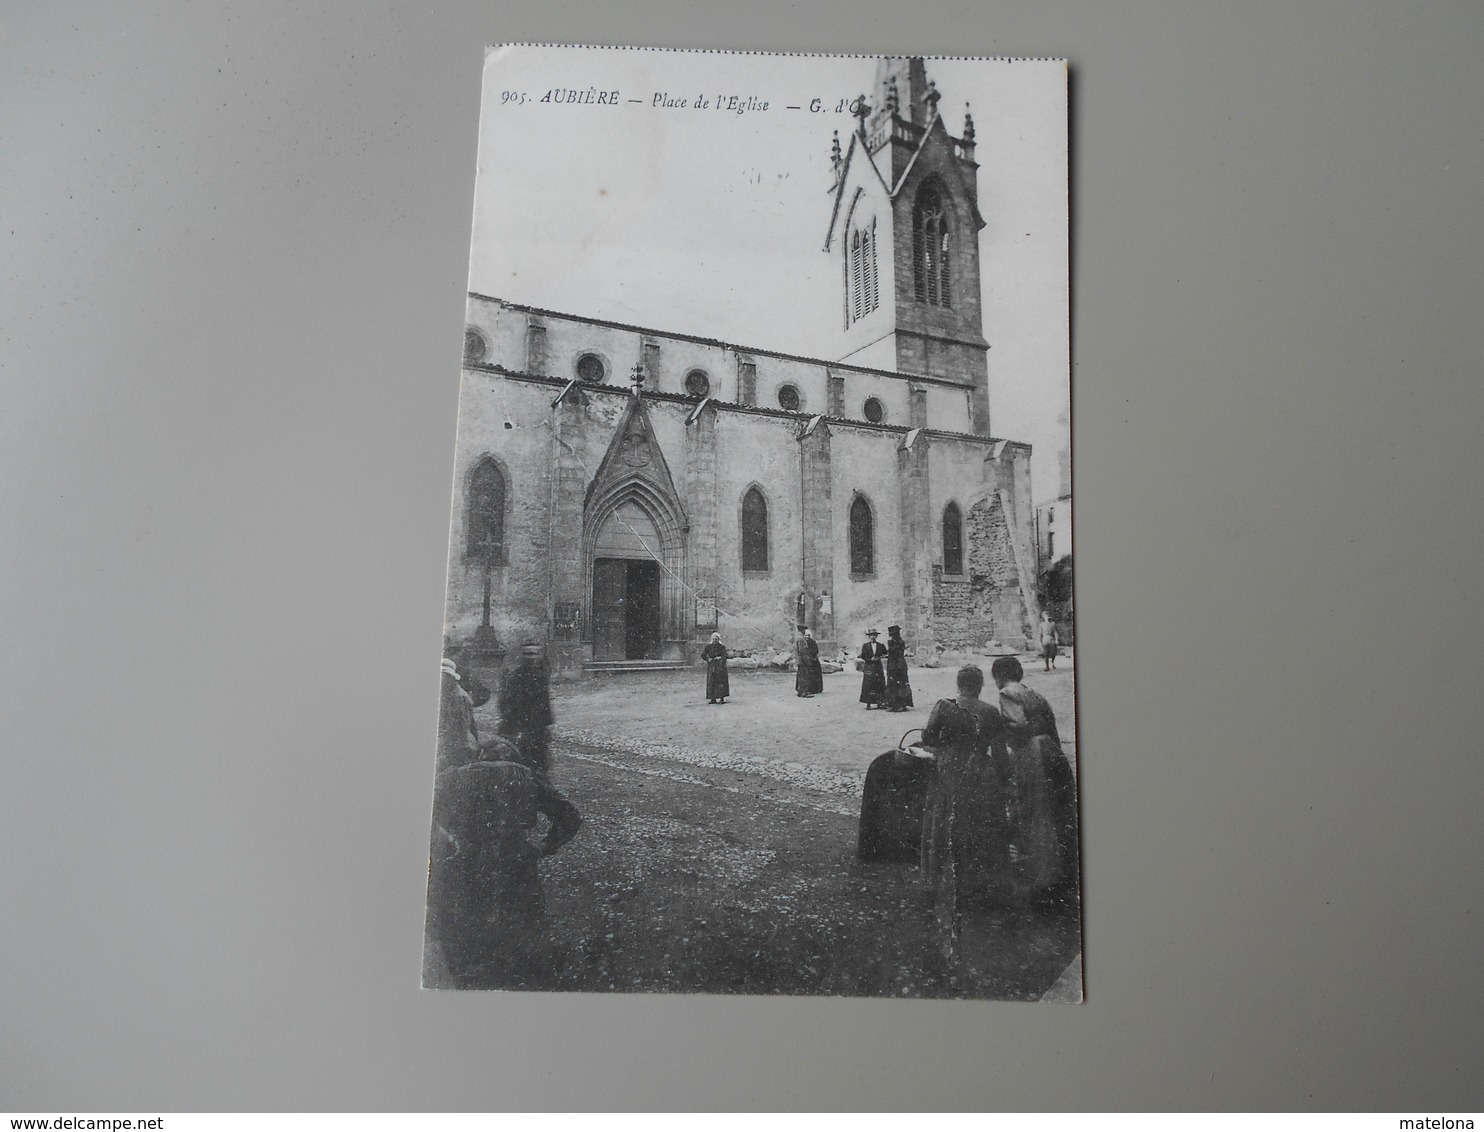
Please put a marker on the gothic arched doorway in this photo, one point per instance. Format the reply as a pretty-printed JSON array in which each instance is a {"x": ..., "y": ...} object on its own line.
[{"x": 627, "y": 619}]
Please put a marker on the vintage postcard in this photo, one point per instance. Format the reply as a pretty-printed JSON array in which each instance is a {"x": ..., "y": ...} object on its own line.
[{"x": 762, "y": 441}]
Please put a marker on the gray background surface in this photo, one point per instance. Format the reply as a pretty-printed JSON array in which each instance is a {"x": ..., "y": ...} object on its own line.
[{"x": 234, "y": 250}]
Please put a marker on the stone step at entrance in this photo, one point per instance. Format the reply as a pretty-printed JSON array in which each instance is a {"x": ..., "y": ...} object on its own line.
[{"x": 609, "y": 667}]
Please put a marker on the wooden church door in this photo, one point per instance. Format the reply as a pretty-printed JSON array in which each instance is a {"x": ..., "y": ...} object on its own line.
[{"x": 610, "y": 583}]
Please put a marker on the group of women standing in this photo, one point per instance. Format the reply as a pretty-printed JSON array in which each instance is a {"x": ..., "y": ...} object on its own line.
[
  {"x": 808, "y": 673},
  {"x": 996, "y": 805},
  {"x": 880, "y": 688},
  {"x": 990, "y": 816},
  {"x": 887, "y": 689},
  {"x": 1000, "y": 779}
]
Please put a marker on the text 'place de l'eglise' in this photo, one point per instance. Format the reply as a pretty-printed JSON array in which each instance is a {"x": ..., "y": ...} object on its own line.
[{"x": 623, "y": 491}]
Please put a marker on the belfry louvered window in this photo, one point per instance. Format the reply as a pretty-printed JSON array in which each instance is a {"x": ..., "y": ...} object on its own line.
[
  {"x": 930, "y": 249},
  {"x": 855, "y": 276},
  {"x": 863, "y": 293}
]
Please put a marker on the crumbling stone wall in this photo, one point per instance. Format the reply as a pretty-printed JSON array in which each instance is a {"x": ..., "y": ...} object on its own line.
[
  {"x": 957, "y": 622},
  {"x": 985, "y": 602}
]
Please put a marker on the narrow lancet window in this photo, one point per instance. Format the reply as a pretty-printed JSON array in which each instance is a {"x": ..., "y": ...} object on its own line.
[
  {"x": 486, "y": 523},
  {"x": 953, "y": 540},
  {"x": 862, "y": 537},
  {"x": 754, "y": 530}
]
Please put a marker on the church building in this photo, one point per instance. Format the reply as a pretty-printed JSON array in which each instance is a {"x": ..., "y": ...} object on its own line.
[{"x": 622, "y": 491}]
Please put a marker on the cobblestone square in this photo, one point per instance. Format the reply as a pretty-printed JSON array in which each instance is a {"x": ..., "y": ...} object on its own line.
[{"x": 718, "y": 848}]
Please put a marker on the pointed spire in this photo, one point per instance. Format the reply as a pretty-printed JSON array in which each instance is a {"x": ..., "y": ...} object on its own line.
[
  {"x": 900, "y": 84},
  {"x": 835, "y": 158},
  {"x": 931, "y": 98},
  {"x": 968, "y": 126},
  {"x": 862, "y": 110},
  {"x": 636, "y": 378}
]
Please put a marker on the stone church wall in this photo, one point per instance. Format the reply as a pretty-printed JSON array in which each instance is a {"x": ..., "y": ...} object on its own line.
[
  {"x": 894, "y": 396},
  {"x": 667, "y": 360},
  {"x": 985, "y": 601},
  {"x": 948, "y": 408},
  {"x": 504, "y": 331},
  {"x": 519, "y": 585},
  {"x": 878, "y": 354},
  {"x": 865, "y": 461},
  {"x": 713, "y": 463},
  {"x": 763, "y": 451},
  {"x": 757, "y": 607}
]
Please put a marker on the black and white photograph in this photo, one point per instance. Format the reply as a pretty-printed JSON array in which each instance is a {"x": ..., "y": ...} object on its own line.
[
  {"x": 704, "y": 389},
  {"x": 759, "y": 651}
]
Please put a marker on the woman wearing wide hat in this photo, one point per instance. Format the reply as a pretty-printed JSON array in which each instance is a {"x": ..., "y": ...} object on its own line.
[
  {"x": 898, "y": 690},
  {"x": 873, "y": 680}
]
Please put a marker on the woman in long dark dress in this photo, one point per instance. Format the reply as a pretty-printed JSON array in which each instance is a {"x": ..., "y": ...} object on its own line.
[
  {"x": 898, "y": 690},
  {"x": 873, "y": 680},
  {"x": 718, "y": 686},
  {"x": 1042, "y": 790},
  {"x": 816, "y": 670},
  {"x": 806, "y": 663},
  {"x": 965, "y": 840}
]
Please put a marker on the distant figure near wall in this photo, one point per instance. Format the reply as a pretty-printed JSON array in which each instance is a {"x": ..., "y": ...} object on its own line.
[
  {"x": 718, "y": 685},
  {"x": 1046, "y": 635},
  {"x": 808, "y": 674},
  {"x": 873, "y": 682}
]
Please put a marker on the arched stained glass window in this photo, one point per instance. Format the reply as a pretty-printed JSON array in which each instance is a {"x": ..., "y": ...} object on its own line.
[
  {"x": 862, "y": 537},
  {"x": 930, "y": 248},
  {"x": 486, "y": 523},
  {"x": 953, "y": 540},
  {"x": 754, "y": 530}
]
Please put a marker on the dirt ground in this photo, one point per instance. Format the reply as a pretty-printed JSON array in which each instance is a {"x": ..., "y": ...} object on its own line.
[
  {"x": 764, "y": 719},
  {"x": 718, "y": 844}
]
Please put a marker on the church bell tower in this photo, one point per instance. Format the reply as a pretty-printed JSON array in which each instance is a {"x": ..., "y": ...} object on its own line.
[{"x": 904, "y": 235}]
